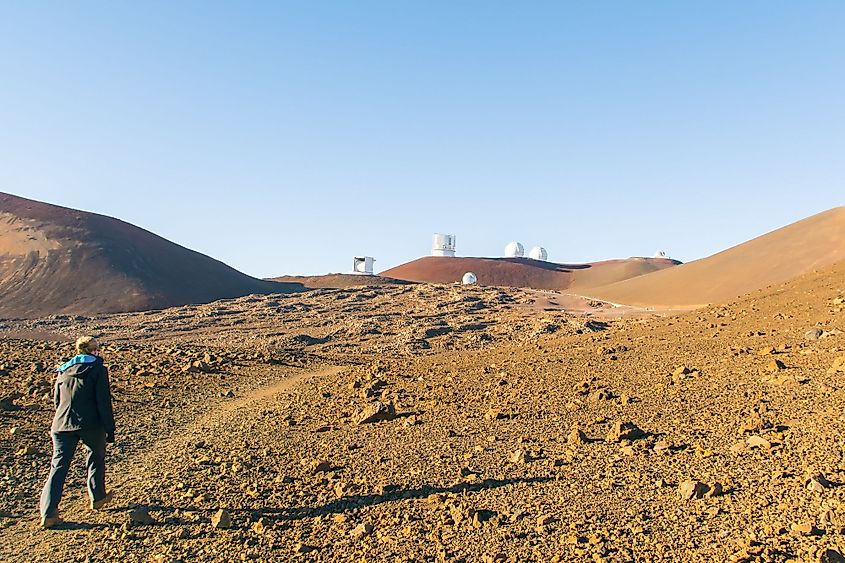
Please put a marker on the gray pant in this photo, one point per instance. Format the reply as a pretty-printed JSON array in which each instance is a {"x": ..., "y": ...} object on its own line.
[{"x": 64, "y": 446}]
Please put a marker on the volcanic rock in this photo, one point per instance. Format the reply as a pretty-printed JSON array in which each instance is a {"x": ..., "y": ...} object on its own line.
[
  {"x": 625, "y": 431},
  {"x": 221, "y": 519},
  {"x": 377, "y": 412},
  {"x": 141, "y": 515}
]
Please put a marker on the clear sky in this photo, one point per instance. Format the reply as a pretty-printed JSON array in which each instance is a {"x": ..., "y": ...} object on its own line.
[{"x": 286, "y": 137}]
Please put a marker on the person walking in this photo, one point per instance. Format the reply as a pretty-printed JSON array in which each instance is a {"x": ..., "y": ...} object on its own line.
[{"x": 83, "y": 413}]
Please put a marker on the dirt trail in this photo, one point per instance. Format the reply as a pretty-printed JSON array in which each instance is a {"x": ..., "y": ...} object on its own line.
[{"x": 133, "y": 477}]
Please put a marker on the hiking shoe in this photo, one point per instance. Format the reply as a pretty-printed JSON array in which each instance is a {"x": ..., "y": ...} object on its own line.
[
  {"x": 98, "y": 504},
  {"x": 50, "y": 521}
]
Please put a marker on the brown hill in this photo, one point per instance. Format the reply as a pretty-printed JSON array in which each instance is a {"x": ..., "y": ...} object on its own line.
[
  {"x": 59, "y": 260},
  {"x": 525, "y": 272},
  {"x": 786, "y": 253}
]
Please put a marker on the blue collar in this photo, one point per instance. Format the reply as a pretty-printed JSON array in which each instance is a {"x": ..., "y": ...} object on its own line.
[{"x": 80, "y": 359}]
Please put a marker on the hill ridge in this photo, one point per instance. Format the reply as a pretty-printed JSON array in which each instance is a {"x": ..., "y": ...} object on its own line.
[{"x": 56, "y": 259}]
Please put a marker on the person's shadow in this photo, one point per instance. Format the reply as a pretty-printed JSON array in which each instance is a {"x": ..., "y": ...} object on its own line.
[{"x": 392, "y": 494}]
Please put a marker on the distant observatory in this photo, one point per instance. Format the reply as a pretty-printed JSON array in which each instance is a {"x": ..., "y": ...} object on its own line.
[
  {"x": 514, "y": 250},
  {"x": 363, "y": 265},
  {"x": 661, "y": 254},
  {"x": 539, "y": 253},
  {"x": 469, "y": 279},
  {"x": 444, "y": 245}
]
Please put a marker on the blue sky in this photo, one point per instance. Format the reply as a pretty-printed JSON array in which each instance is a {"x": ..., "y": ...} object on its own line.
[{"x": 286, "y": 137}]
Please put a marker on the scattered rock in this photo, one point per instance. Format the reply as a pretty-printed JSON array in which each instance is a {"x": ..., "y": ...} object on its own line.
[
  {"x": 601, "y": 395},
  {"x": 377, "y": 412},
  {"x": 361, "y": 530},
  {"x": 775, "y": 365},
  {"x": 689, "y": 490},
  {"x": 803, "y": 529},
  {"x": 625, "y": 431},
  {"x": 319, "y": 466},
  {"x": 142, "y": 516},
  {"x": 758, "y": 442},
  {"x": 576, "y": 437},
  {"x": 221, "y": 520},
  {"x": 494, "y": 414},
  {"x": 518, "y": 457},
  {"x": 813, "y": 334},
  {"x": 301, "y": 548},
  {"x": 817, "y": 483},
  {"x": 259, "y": 526}
]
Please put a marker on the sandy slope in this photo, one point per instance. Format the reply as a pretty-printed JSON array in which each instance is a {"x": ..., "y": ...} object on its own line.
[
  {"x": 59, "y": 260},
  {"x": 811, "y": 244}
]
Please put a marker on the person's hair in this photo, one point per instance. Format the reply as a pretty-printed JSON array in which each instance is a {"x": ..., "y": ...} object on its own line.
[{"x": 86, "y": 345}]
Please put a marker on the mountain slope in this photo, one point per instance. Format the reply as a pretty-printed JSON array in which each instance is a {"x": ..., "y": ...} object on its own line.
[
  {"x": 59, "y": 260},
  {"x": 781, "y": 255},
  {"x": 525, "y": 272}
]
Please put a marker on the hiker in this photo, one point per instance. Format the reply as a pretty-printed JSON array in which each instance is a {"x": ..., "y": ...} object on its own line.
[{"x": 83, "y": 412}]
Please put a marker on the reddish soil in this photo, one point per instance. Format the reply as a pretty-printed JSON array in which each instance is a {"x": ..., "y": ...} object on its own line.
[
  {"x": 338, "y": 281},
  {"x": 58, "y": 260},
  {"x": 525, "y": 272}
]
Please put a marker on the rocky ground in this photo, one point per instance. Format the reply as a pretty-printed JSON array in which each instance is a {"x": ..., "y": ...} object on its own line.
[{"x": 417, "y": 423}]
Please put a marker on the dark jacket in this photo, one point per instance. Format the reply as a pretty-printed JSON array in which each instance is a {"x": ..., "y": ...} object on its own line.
[{"x": 83, "y": 396}]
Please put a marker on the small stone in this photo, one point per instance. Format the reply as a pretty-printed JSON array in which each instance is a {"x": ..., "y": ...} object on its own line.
[
  {"x": 758, "y": 442},
  {"x": 625, "y": 431},
  {"x": 544, "y": 520},
  {"x": 839, "y": 364},
  {"x": 301, "y": 548},
  {"x": 775, "y": 365},
  {"x": 576, "y": 437},
  {"x": 320, "y": 466},
  {"x": 411, "y": 421},
  {"x": 221, "y": 520},
  {"x": 813, "y": 334},
  {"x": 494, "y": 414},
  {"x": 481, "y": 517},
  {"x": 803, "y": 529},
  {"x": 27, "y": 450},
  {"x": 662, "y": 446},
  {"x": 518, "y": 457},
  {"x": 738, "y": 448},
  {"x": 361, "y": 530},
  {"x": 817, "y": 483},
  {"x": 681, "y": 370},
  {"x": 377, "y": 412},
  {"x": 689, "y": 490},
  {"x": 141, "y": 515}
]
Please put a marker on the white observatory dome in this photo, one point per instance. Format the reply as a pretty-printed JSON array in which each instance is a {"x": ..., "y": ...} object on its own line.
[
  {"x": 661, "y": 254},
  {"x": 469, "y": 279},
  {"x": 514, "y": 250},
  {"x": 539, "y": 253}
]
